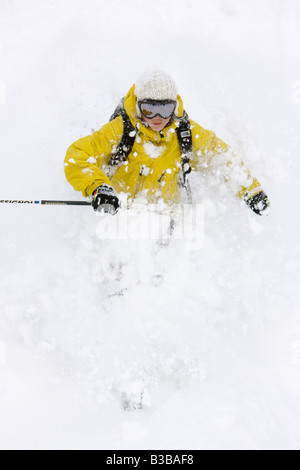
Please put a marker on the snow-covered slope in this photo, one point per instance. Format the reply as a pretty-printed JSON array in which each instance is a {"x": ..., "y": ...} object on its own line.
[{"x": 212, "y": 336}]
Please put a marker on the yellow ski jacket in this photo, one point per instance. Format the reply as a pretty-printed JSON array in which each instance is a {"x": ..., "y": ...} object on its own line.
[{"x": 153, "y": 166}]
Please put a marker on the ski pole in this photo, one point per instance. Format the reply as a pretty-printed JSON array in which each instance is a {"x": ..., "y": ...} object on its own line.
[{"x": 47, "y": 203}]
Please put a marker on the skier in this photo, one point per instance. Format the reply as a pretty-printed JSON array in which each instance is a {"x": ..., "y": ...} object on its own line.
[{"x": 147, "y": 149}]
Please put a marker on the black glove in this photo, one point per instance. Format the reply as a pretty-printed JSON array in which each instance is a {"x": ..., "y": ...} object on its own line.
[
  {"x": 258, "y": 203},
  {"x": 105, "y": 200}
]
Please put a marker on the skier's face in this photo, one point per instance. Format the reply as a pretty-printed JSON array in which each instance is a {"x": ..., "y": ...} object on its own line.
[{"x": 157, "y": 123}]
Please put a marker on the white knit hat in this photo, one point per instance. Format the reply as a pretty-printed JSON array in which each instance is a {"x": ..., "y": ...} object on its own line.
[{"x": 155, "y": 85}]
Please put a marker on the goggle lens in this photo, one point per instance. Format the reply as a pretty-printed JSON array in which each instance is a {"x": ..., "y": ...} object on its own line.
[{"x": 164, "y": 109}]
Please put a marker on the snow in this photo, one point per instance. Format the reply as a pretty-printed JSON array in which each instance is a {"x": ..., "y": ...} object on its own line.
[
  {"x": 92, "y": 160},
  {"x": 2, "y": 92},
  {"x": 152, "y": 150},
  {"x": 210, "y": 335}
]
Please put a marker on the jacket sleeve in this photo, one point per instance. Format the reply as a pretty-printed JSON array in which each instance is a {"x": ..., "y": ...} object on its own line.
[
  {"x": 86, "y": 158},
  {"x": 211, "y": 152}
]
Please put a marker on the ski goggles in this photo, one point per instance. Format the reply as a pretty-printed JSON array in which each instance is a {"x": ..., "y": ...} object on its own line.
[{"x": 152, "y": 108}]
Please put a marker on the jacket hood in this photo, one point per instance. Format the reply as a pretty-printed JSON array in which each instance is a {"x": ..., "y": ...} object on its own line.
[{"x": 130, "y": 105}]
